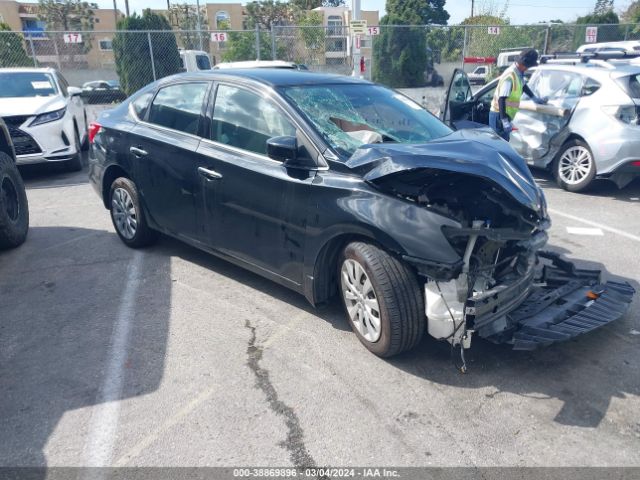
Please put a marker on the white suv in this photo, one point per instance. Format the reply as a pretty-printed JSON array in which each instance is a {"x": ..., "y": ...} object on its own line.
[{"x": 45, "y": 116}]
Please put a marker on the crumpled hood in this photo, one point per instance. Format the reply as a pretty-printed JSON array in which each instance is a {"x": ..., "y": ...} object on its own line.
[
  {"x": 475, "y": 152},
  {"x": 30, "y": 105}
]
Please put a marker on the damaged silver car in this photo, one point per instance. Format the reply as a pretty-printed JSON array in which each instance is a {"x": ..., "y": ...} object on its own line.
[{"x": 590, "y": 128}]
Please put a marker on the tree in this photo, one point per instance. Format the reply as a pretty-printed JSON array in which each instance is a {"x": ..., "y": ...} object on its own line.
[
  {"x": 632, "y": 14},
  {"x": 313, "y": 36},
  {"x": 603, "y": 6},
  {"x": 400, "y": 54},
  {"x": 242, "y": 46},
  {"x": 419, "y": 12},
  {"x": 12, "y": 52},
  {"x": 67, "y": 15},
  {"x": 185, "y": 17},
  {"x": 132, "y": 53},
  {"x": 305, "y": 5},
  {"x": 608, "y": 31},
  {"x": 266, "y": 13}
]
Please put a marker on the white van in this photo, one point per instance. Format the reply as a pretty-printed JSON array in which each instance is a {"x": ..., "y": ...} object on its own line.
[
  {"x": 195, "y": 60},
  {"x": 630, "y": 46},
  {"x": 507, "y": 57}
]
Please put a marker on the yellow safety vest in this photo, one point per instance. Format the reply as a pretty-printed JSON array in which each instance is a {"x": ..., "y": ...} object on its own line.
[{"x": 513, "y": 100}]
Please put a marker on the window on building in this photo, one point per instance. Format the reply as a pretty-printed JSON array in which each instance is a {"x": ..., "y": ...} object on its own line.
[
  {"x": 223, "y": 20},
  {"x": 106, "y": 44},
  {"x": 334, "y": 22}
]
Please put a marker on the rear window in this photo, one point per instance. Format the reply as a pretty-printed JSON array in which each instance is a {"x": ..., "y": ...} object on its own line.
[
  {"x": 179, "y": 106},
  {"x": 630, "y": 84},
  {"x": 203, "y": 62}
]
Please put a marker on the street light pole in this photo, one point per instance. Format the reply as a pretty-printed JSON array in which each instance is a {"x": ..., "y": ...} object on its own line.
[
  {"x": 115, "y": 12},
  {"x": 355, "y": 15},
  {"x": 126, "y": 7},
  {"x": 199, "y": 23}
]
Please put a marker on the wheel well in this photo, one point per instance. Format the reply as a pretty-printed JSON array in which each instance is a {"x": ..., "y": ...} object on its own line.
[
  {"x": 325, "y": 270},
  {"x": 113, "y": 172},
  {"x": 4, "y": 144},
  {"x": 574, "y": 136}
]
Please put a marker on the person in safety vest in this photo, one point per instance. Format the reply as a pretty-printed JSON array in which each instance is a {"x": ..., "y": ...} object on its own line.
[{"x": 511, "y": 86}]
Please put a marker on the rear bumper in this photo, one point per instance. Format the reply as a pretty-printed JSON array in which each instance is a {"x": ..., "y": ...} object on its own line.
[{"x": 561, "y": 303}]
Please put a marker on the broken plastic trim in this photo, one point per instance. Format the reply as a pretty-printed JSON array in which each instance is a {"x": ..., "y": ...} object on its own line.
[{"x": 564, "y": 302}]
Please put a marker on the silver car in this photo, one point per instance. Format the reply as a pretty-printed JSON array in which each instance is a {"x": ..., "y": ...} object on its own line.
[{"x": 590, "y": 128}]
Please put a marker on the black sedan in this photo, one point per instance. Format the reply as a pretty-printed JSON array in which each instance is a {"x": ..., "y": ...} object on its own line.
[{"x": 333, "y": 185}]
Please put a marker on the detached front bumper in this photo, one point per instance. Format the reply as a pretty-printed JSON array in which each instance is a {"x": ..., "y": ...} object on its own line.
[{"x": 561, "y": 304}]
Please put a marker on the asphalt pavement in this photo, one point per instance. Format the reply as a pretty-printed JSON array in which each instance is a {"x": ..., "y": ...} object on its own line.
[{"x": 171, "y": 357}]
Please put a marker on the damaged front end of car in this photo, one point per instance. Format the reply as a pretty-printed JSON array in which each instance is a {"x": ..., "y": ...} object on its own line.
[{"x": 505, "y": 287}]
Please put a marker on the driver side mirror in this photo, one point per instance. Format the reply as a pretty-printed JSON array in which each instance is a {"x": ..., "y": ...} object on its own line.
[{"x": 285, "y": 149}]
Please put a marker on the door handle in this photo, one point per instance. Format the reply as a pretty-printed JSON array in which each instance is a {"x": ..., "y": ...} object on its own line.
[
  {"x": 138, "y": 152},
  {"x": 209, "y": 174}
]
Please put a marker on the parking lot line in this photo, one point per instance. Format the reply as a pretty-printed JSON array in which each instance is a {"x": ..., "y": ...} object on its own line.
[
  {"x": 606, "y": 228},
  {"x": 104, "y": 420},
  {"x": 585, "y": 231}
]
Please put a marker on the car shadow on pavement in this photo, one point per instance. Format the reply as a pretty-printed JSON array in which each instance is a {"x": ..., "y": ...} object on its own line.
[
  {"x": 600, "y": 188},
  {"x": 585, "y": 374},
  {"x": 81, "y": 325},
  {"x": 331, "y": 312}
]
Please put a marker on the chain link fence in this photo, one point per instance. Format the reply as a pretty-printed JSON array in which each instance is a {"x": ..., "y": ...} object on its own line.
[{"x": 428, "y": 53}]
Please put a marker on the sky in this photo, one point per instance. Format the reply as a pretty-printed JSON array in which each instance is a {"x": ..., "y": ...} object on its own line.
[{"x": 519, "y": 11}]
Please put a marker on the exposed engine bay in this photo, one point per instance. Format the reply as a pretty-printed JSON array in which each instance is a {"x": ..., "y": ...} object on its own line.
[{"x": 505, "y": 288}]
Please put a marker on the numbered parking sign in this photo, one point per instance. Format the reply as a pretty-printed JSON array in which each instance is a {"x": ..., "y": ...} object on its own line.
[
  {"x": 72, "y": 38},
  {"x": 219, "y": 37},
  {"x": 591, "y": 35},
  {"x": 373, "y": 30},
  {"x": 493, "y": 30}
]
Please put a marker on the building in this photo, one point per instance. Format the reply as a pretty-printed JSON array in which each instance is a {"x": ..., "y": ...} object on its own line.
[
  {"x": 332, "y": 50},
  {"x": 95, "y": 50}
]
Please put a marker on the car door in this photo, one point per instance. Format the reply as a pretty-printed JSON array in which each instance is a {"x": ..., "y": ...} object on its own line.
[
  {"x": 163, "y": 152},
  {"x": 459, "y": 101},
  {"x": 539, "y": 130},
  {"x": 482, "y": 103},
  {"x": 256, "y": 207}
]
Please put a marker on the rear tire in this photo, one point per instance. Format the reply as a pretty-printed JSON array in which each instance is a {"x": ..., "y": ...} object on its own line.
[
  {"x": 127, "y": 215},
  {"x": 382, "y": 299},
  {"x": 574, "y": 167},
  {"x": 14, "y": 208}
]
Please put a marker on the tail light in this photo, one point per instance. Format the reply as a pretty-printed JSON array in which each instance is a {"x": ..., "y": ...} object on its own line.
[
  {"x": 94, "y": 128},
  {"x": 636, "y": 163}
]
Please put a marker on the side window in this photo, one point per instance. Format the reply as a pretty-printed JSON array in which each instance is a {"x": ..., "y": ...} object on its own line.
[
  {"x": 141, "y": 104},
  {"x": 487, "y": 97},
  {"x": 179, "y": 107},
  {"x": 590, "y": 87},
  {"x": 556, "y": 84},
  {"x": 245, "y": 120}
]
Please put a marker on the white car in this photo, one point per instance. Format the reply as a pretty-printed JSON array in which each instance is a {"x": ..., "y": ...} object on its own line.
[
  {"x": 261, "y": 64},
  {"x": 45, "y": 116}
]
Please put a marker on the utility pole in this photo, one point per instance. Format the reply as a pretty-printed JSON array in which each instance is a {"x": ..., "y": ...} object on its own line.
[
  {"x": 126, "y": 7},
  {"x": 199, "y": 23},
  {"x": 115, "y": 12},
  {"x": 472, "y": 2},
  {"x": 355, "y": 15}
]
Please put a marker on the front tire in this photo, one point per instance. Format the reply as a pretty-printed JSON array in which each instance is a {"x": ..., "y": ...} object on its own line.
[
  {"x": 14, "y": 208},
  {"x": 127, "y": 215},
  {"x": 382, "y": 299},
  {"x": 574, "y": 167}
]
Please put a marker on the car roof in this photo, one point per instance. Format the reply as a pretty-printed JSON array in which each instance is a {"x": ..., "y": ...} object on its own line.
[
  {"x": 274, "y": 77},
  {"x": 256, "y": 64},
  {"x": 596, "y": 70},
  {"x": 27, "y": 69}
]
